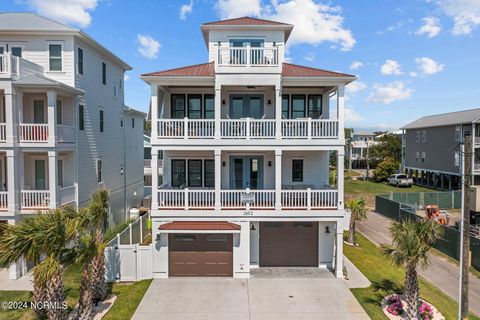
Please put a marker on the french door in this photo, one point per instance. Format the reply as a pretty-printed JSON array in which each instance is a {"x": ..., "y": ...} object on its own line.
[
  {"x": 246, "y": 172},
  {"x": 246, "y": 106}
]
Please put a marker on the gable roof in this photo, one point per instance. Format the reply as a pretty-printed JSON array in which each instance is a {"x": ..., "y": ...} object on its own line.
[
  {"x": 202, "y": 70},
  {"x": 27, "y": 22},
  {"x": 245, "y": 21},
  {"x": 445, "y": 119},
  {"x": 295, "y": 70}
]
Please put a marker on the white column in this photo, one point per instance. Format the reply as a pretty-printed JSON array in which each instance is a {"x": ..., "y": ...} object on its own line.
[
  {"x": 12, "y": 187},
  {"x": 218, "y": 178},
  {"x": 15, "y": 270},
  {"x": 218, "y": 110},
  {"x": 153, "y": 114},
  {"x": 340, "y": 174},
  {"x": 52, "y": 116},
  {"x": 10, "y": 118},
  {"x": 278, "y": 179},
  {"x": 326, "y": 106},
  {"x": 341, "y": 111},
  {"x": 154, "y": 166},
  {"x": 339, "y": 250},
  {"x": 52, "y": 179},
  {"x": 278, "y": 112}
]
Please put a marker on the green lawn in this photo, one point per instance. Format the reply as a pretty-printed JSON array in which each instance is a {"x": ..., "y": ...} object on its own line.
[
  {"x": 368, "y": 190},
  {"x": 129, "y": 296},
  {"x": 387, "y": 279}
]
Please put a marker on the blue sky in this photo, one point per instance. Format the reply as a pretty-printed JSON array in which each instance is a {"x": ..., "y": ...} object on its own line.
[{"x": 412, "y": 57}]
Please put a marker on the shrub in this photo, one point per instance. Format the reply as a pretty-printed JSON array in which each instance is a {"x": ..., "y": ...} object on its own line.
[
  {"x": 394, "y": 305},
  {"x": 425, "y": 312},
  {"x": 385, "y": 169}
]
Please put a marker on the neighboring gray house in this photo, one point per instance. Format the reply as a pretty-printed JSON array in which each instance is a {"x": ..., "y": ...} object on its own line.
[{"x": 431, "y": 148}]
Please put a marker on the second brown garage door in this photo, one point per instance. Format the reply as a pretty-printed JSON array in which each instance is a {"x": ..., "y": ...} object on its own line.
[
  {"x": 194, "y": 255},
  {"x": 289, "y": 244}
]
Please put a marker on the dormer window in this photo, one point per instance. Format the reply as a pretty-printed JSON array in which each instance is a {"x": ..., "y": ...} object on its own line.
[{"x": 239, "y": 43}]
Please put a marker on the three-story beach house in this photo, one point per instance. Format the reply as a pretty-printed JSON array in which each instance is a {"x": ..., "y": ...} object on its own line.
[
  {"x": 64, "y": 128},
  {"x": 246, "y": 141}
]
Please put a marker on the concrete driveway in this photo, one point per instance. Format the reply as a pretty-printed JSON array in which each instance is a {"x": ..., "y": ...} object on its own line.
[{"x": 255, "y": 298}]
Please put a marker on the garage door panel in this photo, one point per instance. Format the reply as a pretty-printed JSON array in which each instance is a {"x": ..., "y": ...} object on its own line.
[
  {"x": 206, "y": 255},
  {"x": 289, "y": 244}
]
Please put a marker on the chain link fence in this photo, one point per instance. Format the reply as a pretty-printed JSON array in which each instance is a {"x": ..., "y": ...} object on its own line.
[{"x": 403, "y": 206}]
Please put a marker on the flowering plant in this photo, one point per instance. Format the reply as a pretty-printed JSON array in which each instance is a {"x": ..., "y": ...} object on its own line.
[
  {"x": 425, "y": 312},
  {"x": 394, "y": 305}
]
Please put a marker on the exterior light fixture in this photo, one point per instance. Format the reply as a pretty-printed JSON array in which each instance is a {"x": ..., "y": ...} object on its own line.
[
  {"x": 252, "y": 228},
  {"x": 223, "y": 164},
  {"x": 269, "y": 102},
  {"x": 269, "y": 163},
  {"x": 327, "y": 229},
  {"x": 223, "y": 101}
]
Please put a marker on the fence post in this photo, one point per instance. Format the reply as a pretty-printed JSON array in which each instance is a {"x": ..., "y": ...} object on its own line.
[
  {"x": 130, "y": 232},
  {"x": 118, "y": 240},
  {"x": 141, "y": 229}
]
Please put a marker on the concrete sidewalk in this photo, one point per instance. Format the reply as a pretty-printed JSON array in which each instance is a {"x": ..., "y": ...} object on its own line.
[
  {"x": 22, "y": 284},
  {"x": 442, "y": 273}
]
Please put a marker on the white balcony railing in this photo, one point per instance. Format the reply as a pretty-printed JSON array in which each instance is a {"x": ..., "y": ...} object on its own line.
[
  {"x": 30, "y": 132},
  {"x": 65, "y": 133},
  {"x": 186, "y": 128},
  {"x": 248, "y": 56},
  {"x": 67, "y": 194},
  {"x": 186, "y": 199},
  {"x": 3, "y": 200},
  {"x": 309, "y": 129},
  {"x": 9, "y": 65},
  {"x": 35, "y": 199},
  {"x": 247, "y": 128},
  {"x": 258, "y": 199},
  {"x": 3, "y": 132}
]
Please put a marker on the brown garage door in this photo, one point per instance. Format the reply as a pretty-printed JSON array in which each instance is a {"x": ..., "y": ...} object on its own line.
[
  {"x": 289, "y": 244},
  {"x": 194, "y": 255}
]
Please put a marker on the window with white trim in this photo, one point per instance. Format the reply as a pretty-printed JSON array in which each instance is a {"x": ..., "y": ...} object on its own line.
[
  {"x": 424, "y": 155},
  {"x": 424, "y": 135},
  {"x": 417, "y": 156},
  {"x": 458, "y": 134},
  {"x": 457, "y": 159},
  {"x": 55, "y": 57},
  {"x": 417, "y": 136},
  {"x": 80, "y": 60}
]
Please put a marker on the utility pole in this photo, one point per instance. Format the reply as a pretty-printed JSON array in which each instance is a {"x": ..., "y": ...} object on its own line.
[{"x": 465, "y": 228}]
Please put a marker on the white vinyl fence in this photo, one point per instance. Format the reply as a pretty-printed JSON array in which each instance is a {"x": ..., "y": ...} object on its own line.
[{"x": 126, "y": 258}]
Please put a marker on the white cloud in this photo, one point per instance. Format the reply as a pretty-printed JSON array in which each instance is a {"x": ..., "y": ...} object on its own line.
[
  {"x": 67, "y": 11},
  {"x": 186, "y": 9},
  {"x": 390, "y": 92},
  {"x": 465, "y": 14},
  {"x": 431, "y": 27},
  {"x": 391, "y": 67},
  {"x": 314, "y": 22},
  {"x": 413, "y": 74},
  {"x": 148, "y": 47},
  {"x": 126, "y": 77},
  {"x": 355, "y": 86},
  {"x": 356, "y": 65},
  {"x": 428, "y": 65},
  {"x": 351, "y": 115},
  {"x": 238, "y": 8},
  {"x": 309, "y": 56}
]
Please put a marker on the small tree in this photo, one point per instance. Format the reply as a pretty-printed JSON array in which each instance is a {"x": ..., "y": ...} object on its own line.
[
  {"x": 385, "y": 169},
  {"x": 358, "y": 211},
  {"x": 411, "y": 242}
]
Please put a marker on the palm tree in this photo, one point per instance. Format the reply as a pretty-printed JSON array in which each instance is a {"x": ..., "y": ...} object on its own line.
[
  {"x": 19, "y": 241},
  {"x": 358, "y": 211},
  {"x": 86, "y": 249},
  {"x": 98, "y": 213},
  {"x": 411, "y": 242}
]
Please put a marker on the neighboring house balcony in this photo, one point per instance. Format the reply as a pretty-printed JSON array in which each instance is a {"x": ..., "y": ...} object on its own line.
[
  {"x": 246, "y": 183},
  {"x": 46, "y": 180},
  {"x": 44, "y": 118},
  {"x": 12, "y": 67}
]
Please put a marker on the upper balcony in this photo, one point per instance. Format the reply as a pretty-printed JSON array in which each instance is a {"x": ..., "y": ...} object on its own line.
[
  {"x": 12, "y": 67},
  {"x": 248, "y": 57}
]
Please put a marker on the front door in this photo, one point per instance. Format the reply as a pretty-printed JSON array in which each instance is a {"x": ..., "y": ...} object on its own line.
[
  {"x": 40, "y": 183},
  {"x": 246, "y": 172},
  {"x": 246, "y": 106}
]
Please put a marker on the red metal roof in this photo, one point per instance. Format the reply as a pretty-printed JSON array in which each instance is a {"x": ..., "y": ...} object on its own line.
[
  {"x": 245, "y": 21},
  {"x": 203, "y": 69},
  {"x": 199, "y": 225},
  {"x": 295, "y": 70}
]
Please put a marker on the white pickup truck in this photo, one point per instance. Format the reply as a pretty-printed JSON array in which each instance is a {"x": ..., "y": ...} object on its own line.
[{"x": 400, "y": 180}]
